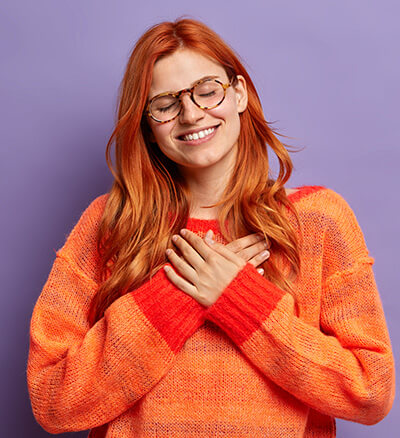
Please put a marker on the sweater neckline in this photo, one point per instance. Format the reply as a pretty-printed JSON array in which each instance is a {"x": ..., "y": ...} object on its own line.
[{"x": 206, "y": 224}]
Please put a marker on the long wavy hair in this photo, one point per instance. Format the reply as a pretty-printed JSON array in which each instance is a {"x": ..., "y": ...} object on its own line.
[{"x": 136, "y": 228}]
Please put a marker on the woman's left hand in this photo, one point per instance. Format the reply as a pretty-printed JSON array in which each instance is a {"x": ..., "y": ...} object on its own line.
[{"x": 206, "y": 268}]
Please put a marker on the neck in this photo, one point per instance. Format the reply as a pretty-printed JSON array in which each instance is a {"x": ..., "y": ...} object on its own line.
[
  {"x": 206, "y": 187},
  {"x": 207, "y": 183}
]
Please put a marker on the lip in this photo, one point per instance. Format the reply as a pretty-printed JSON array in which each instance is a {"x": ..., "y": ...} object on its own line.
[
  {"x": 195, "y": 130},
  {"x": 200, "y": 140}
]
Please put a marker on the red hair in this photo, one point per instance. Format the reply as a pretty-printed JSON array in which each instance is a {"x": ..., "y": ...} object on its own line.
[{"x": 135, "y": 230}]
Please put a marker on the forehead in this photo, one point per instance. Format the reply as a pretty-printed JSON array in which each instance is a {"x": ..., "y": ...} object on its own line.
[{"x": 181, "y": 69}]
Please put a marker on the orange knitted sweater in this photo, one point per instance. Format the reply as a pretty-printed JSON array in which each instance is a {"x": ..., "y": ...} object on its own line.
[{"x": 159, "y": 364}]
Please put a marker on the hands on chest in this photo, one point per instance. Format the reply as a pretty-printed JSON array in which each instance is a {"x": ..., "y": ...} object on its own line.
[{"x": 207, "y": 267}]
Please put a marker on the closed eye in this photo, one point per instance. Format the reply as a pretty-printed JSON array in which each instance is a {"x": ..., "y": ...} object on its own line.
[
  {"x": 165, "y": 109},
  {"x": 207, "y": 94}
]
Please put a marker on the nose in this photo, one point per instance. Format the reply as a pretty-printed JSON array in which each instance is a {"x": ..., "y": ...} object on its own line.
[{"x": 190, "y": 112}]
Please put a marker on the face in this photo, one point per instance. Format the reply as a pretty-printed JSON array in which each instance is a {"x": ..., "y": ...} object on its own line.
[{"x": 217, "y": 148}]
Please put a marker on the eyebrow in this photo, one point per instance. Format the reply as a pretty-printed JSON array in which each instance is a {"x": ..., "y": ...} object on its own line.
[
  {"x": 191, "y": 85},
  {"x": 203, "y": 78}
]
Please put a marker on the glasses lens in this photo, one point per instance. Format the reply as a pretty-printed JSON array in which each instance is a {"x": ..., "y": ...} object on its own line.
[
  {"x": 164, "y": 107},
  {"x": 208, "y": 94}
]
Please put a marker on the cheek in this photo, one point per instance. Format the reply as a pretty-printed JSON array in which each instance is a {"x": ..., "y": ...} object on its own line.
[
  {"x": 235, "y": 127},
  {"x": 231, "y": 119},
  {"x": 161, "y": 133},
  {"x": 227, "y": 111}
]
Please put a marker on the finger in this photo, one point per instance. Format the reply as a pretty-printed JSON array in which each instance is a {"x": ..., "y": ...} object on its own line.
[
  {"x": 260, "y": 258},
  {"x": 179, "y": 282},
  {"x": 247, "y": 241},
  {"x": 243, "y": 242},
  {"x": 253, "y": 251},
  {"x": 193, "y": 242},
  {"x": 182, "y": 266},
  {"x": 225, "y": 252},
  {"x": 188, "y": 250}
]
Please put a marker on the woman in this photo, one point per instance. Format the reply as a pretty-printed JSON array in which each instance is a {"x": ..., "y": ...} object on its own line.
[{"x": 207, "y": 346}]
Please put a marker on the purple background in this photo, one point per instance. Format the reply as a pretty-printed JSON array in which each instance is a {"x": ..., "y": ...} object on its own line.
[{"x": 327, "y": 73}]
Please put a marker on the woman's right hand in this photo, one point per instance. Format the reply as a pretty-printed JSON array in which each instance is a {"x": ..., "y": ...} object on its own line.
[{"x": 250, "y": 248}]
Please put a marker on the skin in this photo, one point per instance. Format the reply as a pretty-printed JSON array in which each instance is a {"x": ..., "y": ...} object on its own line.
[
  {"x": 205, "y": 167},
  {"x": 206, "y": 267}
]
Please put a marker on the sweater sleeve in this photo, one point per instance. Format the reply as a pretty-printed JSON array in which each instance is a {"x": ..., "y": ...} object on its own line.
[
  {"x": 345, "y": 367},
  {"x": 79, "y": 377}
]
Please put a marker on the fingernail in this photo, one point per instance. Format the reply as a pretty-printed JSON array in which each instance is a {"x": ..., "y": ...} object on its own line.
[{"x": 209, "y": 240}]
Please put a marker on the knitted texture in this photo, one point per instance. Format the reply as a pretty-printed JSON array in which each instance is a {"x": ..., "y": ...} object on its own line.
[{"x": 254, "y": 364}]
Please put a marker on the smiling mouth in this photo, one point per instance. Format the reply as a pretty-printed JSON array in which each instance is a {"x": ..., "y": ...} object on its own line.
[{"x": 198, "y": 135}]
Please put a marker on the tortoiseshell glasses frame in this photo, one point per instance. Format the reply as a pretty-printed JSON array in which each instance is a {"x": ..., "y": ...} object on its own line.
[{"x": 178, "y": 95}]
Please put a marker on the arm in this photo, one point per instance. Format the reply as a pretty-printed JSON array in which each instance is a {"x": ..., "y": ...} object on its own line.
[
  {"x": 343, "y": 369},
  {"x": 80, "y": 378}
]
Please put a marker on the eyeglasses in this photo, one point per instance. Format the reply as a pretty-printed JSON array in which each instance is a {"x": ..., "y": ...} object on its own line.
[{"x": 206, "y": 94}]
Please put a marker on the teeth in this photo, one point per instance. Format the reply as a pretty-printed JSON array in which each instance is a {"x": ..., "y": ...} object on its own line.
[{"x": 197, "y": 135}]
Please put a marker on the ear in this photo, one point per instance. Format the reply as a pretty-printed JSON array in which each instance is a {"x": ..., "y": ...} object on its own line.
[{"x": 241, "y": 93}]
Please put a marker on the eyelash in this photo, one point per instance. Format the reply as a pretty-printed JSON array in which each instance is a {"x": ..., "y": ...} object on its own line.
[{"x": 165, "y": 109}]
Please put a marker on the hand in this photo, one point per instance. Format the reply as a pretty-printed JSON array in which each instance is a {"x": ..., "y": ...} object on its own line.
[
  {"x": 250, "y": 248},
  {"x": 205, "y": 269}
]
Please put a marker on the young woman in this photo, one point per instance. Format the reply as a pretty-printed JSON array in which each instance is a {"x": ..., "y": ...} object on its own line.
[{"x": 200, "y": 297}]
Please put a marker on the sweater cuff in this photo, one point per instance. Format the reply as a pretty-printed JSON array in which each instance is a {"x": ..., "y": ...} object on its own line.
[
  {"x": 175, "y": 314},
  {"x": 245, "y": 303}
]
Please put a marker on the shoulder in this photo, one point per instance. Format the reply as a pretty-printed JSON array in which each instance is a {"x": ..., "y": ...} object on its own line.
[
  {"x": 326, "y": 214},
  {"x": 92, "y": 214},
  {"x": 87, "y": 225},
  {"x": 323, "y": 211},
  {"x": 96, "y": 207},
  {"x": 320, "y": 199}
]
